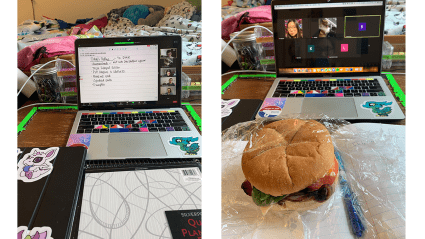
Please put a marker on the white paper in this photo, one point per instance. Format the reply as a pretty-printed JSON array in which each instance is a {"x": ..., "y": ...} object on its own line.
[
  {"x": 384, "y": 199},
  {"x": 132, "y": 204}
]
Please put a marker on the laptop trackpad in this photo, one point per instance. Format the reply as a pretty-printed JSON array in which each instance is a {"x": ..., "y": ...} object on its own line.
[
  {"x": 135, "y": 145},
  {"x": 332, "y": 107}
]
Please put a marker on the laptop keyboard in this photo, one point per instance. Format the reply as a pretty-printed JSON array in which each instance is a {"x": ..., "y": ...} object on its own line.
[
  {"x": 364, "y": 87},
  {"x": 144, "y": 121}
]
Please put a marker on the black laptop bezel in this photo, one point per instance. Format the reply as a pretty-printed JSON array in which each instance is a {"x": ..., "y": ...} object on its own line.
[
  {"x": 163, "y": 42},
  {"x": 326, "y": 75}
]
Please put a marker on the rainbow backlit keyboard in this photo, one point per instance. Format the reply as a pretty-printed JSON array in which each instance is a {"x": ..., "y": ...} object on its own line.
[
  {"x": 136, "y": 121},
  {"x": 363, "y": 87}
]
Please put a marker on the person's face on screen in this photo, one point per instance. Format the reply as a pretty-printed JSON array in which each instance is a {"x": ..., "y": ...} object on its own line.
[
  {"x": 292, "y": 29},
  {"x": 169, "y": 53},
  {"x": 169, "y": 90},
  {"x": 168, "y": 73},
  {"x": 170, "y": 80}
]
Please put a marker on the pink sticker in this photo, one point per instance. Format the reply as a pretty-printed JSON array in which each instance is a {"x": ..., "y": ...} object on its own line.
[
  {"x": 272, "y": 107},
  {"x": 79, "y": 140},
  {"x": 143, "y": 130},
  {"x": 35, "y": 233}
]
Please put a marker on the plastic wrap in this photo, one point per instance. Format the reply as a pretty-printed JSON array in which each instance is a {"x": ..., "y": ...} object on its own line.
[{"x": 374, "y": 162}]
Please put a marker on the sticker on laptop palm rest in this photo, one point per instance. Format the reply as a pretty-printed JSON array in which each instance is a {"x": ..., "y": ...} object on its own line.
[
  {"x": 186, "y": 145},
  {"x": 379, "y": 108},
  {"x": 272, "y": 107},
  {"x": 79, "y": 140}
]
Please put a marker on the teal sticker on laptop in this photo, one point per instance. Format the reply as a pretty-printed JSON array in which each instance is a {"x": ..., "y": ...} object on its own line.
[{"x": 379, "y": 108}]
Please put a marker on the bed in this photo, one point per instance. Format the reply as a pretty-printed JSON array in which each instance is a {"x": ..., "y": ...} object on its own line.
[{"x": 50, "y": 40}]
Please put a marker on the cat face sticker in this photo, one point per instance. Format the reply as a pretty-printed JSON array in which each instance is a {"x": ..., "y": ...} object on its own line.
[{"x": 36, "y": 164}]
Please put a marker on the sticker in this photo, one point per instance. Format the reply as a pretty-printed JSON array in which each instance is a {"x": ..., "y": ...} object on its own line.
[
  {"x": 186, "y": 144},
  {"x": 379, "y": 108},
  {"x": 35, "y": 233},
  {"x": 227, "y": 105},
  {"x": 272, "y": 107},
  {"x": 79, "y": 140},
  {"x": 191, "y": 174},
  {"x": 270, "y": 111},
  {"x": 36, "y": 164}
]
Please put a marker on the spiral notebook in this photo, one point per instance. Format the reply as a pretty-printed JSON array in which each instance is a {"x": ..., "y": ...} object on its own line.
[{"x": 129, "y": 198}]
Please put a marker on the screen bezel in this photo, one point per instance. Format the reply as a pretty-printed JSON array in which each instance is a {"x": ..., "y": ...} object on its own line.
[
  {"x": 335, "y": 75},
  {"x": 163, "y": 42}
]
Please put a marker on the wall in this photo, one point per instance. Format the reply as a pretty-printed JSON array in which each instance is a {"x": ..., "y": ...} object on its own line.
[{"x": 71, "y": 10}]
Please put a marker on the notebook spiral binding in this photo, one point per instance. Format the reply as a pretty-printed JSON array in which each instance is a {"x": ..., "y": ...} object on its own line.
[{"x": 123, "y": 163}]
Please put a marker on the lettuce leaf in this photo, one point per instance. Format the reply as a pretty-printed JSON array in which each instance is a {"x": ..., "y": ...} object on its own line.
[{"x": 263, "y": 199}]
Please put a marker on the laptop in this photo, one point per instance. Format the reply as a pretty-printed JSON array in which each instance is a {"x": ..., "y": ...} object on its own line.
[
  {"x": 129, "y": 100},
  {"x": 328, "y": 61}
]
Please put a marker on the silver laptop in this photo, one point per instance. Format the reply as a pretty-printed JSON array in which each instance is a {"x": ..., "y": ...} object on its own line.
[
  {"x": 129, "y": 100},
  {"x": 328, "y": 61}
]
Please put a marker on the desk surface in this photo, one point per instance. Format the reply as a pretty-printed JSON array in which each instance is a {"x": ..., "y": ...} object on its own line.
[
  {"x": 257, "y": 88},
  {"x": 52, "y": 128}
]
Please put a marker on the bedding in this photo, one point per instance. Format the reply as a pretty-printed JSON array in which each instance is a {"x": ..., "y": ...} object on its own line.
[
  {"x": 114, "y": 25},
  {"x": 190, "y": 32}
]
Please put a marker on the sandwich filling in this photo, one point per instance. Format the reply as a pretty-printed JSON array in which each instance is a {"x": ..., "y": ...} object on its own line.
[{"x": 319, "y": 191}]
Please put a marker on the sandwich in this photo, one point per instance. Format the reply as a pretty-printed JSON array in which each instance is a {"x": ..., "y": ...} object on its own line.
[{"x": 290, "y": 163}]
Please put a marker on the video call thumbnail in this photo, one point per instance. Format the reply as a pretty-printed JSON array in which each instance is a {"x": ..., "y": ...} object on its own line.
[
  {"x": 168, "y": 62},
  {"x": 362, "y": 26},
  {"x": 168, "y": 90},
  {"x": 170, "y": 72},
  {"x": 168, "y": 81},
  {"x": 293, "y": 28},
  {"x": 326, "y": 27},
  {"x": 168, "y": 53}
]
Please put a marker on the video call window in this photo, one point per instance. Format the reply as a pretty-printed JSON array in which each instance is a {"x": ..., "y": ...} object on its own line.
[
  {"x": 168, "y": 90},
  {"x": 293, "y": 28},
  {"x": 362, "y": 26},
  {"x": 327, "y": 35},
  {"x": 168, "y": 81}
]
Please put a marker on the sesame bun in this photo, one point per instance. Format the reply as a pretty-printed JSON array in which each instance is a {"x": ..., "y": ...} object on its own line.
[{"x": 287, "y": 156}]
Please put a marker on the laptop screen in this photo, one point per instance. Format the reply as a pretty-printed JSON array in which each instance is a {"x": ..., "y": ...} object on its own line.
[
  {"x": 128, "y": 73},
  {"x": 328, "y": 38}
]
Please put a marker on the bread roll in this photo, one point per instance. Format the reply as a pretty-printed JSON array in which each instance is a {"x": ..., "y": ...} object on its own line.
[{"x": 287, "y": 156}]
